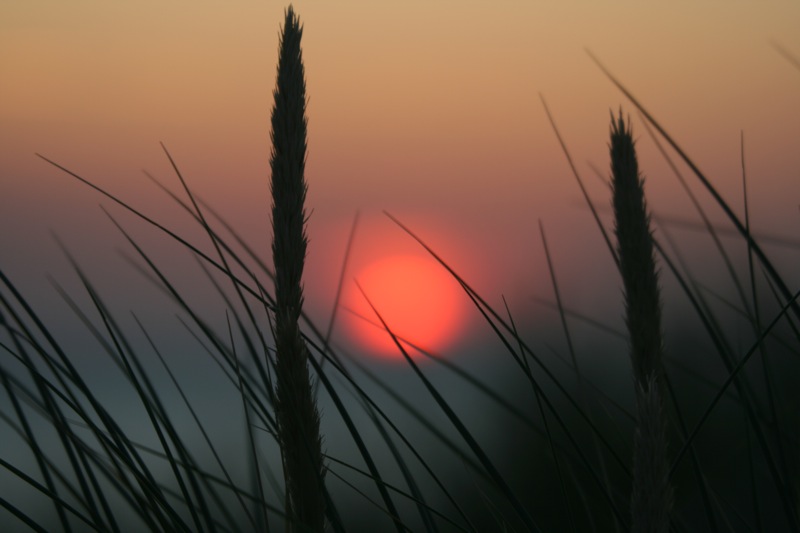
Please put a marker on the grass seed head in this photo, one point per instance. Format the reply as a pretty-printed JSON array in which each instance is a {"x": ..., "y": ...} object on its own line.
[
  {"x": 635, "y": 248},
  {"x": 296, "y": 412}
]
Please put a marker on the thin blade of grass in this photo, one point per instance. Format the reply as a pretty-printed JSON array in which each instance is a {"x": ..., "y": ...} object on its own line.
[
  {"x": 773, "y": 273},
  {"x": 118, "y": 340},
  {"x": 250, "y": 438},
  {"x": 564, "y": 149},
  {"x": 709, "y": 228},
  {"x": 339, "y": 286},
  {"x": 459, "y": 425},
  {"x": 771, "y": 391},
  {"x": 556, "y": 462},
  {"x": 152, "y": 222},
  {"x": 196, "y": 419},
  {"x": 422, "y": 419},
  {"x": 395, "y": 489},
  {"x": 27, "y": 520},
  {"x": 50, "y": 495},
  {"x": 115, "y": 446},
  {"x": 730, "y": 379},
  {"x": 391, "y": 509},
  {"x": 485, "y": 309},
  {"x": 787, "y": 55}
]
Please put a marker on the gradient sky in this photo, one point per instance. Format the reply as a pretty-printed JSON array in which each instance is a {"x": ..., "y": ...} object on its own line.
[{"x": 429, "y": 110}]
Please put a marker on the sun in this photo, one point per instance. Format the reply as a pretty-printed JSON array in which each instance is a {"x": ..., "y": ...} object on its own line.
[{"x": 417, "y": 298}]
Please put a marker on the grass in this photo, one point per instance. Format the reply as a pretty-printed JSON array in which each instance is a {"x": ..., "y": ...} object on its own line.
[
  {"x": 295, "y": 410},
  {"x": 651, "y": 498},
  {"x": 577, "y": 457}
]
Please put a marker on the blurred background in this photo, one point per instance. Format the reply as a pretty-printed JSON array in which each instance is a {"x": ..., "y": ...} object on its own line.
[{"x": 430, "y": 111}]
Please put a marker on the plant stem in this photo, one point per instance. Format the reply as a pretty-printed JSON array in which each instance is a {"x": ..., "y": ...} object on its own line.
[{"x": 296, "y": 412}]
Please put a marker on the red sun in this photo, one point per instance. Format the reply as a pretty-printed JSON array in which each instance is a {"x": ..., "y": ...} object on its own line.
[{"x": 417, "y": 298}]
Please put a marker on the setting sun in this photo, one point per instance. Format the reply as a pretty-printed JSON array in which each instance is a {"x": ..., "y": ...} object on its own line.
[{"x": 418, "y": 299}]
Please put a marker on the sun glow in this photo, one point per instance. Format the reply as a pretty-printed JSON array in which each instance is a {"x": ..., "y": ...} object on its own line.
[{"x": 418, "y": 299}]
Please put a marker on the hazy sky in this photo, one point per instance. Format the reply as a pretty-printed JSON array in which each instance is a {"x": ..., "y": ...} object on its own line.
[{"x": 430, "y": 110}]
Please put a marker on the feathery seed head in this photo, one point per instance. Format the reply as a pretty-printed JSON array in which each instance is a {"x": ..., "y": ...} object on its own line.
[
  {"x": 651, "y": 500},
  {"x": 635, "y": 247},
  {"x": 296, "y": 412}
]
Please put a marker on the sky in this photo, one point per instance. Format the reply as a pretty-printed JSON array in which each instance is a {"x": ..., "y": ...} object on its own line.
[{"x": 431, "y": 111}]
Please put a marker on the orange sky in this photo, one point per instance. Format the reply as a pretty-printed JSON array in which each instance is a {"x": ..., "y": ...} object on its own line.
[{"x": 427, "y": 109}]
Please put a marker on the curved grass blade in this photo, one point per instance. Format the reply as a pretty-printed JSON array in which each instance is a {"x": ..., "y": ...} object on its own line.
[
  {"x": 730, "y": 379},
  {"x": 459, "y": 425},
  {"x": 397, "y": 490},
  {"x": 773, "y": 273},
  {"x": 485, "y": 309}
]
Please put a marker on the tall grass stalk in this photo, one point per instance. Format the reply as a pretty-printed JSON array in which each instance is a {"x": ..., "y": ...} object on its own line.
[
  {"x": 295, "y": 410},
  {"x": 651, "y": 499}
]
